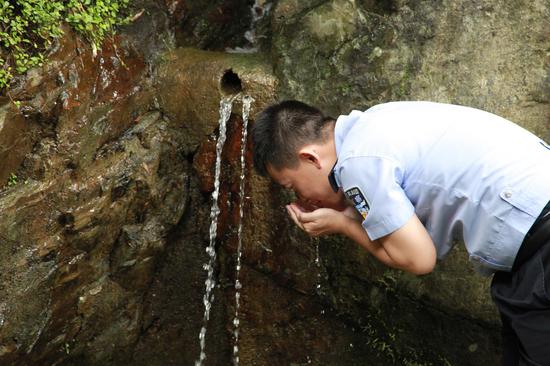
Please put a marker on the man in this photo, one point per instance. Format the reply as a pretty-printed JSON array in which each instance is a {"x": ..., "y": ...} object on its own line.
[{"x": 404, "y": 179}]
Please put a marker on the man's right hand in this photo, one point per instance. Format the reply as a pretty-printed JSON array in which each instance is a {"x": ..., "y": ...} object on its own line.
[{"x": 320, "y": 221}]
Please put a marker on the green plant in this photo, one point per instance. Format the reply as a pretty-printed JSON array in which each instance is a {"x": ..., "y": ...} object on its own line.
[
  {"x": 12, "y": 180},
  {"x": 28, "y": 28},
  {"x": 5, "y": 74},
  {"x": 95, "y": 19}
]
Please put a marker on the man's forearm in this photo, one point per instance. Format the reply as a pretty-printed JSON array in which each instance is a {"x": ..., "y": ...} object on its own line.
[
  {"x": 410, "y": 248},
  {"x": 355, "y": 231}
]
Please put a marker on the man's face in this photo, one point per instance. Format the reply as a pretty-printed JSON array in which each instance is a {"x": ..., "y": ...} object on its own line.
[{"x": 310, "y": 184}]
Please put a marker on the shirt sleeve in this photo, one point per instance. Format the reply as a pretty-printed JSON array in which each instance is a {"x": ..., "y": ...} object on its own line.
[{"x": 373, "y": 185}]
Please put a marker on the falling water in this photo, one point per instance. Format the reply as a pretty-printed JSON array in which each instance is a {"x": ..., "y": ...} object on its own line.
[
  {"x": 247, "y": 101},
  {"x": 318, "y": 263},
  {"x": 318, "y": 289},
  {"x": 225, "y": 112}
]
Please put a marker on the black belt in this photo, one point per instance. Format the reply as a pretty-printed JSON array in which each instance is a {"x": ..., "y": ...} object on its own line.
[{"x": 538, "y": 235}]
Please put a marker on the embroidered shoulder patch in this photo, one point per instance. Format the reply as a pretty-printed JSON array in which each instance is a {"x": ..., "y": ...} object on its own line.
[{"x": 359, "y": 201}]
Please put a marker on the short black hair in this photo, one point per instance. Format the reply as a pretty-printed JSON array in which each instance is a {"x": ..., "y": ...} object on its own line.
[{"x": 281, "y": 129}]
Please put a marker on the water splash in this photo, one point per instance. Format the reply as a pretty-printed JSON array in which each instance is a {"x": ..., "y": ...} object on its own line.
[
  {"x": 226, "y": 105},
  {"x": 247, "y": 101}
]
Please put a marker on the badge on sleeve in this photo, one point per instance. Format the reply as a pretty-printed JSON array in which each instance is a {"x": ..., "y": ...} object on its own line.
[{"x": 356, "y": 197}]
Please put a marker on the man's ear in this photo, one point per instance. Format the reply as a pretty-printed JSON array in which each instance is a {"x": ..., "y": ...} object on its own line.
[{"x": 309, "y": 155}]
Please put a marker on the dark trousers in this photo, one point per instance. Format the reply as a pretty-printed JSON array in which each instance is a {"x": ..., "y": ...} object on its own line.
[{"x": 523, "y": 299}]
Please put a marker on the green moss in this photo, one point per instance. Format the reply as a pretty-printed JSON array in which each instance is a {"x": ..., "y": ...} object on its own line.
[{"x": 28, "y": 28}]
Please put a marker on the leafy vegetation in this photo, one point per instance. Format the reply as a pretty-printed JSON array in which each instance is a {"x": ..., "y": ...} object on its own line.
[
  {"x": 12, "y": 180},
  {"x": 28, "y": 28}
]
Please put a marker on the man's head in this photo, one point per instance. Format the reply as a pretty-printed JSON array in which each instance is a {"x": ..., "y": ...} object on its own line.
[
  {"x": 294, "y": 145},
  {"x": 282, "y": 129}
]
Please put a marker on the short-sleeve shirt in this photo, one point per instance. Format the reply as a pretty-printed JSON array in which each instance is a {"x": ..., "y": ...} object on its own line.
[{"x": 466, "y": 173}]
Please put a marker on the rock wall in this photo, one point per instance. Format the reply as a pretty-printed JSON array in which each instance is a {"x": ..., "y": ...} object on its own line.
[
  {"x": 491, "y": 56},
  {"x": 102, "y": 233},
  {"x": 98, "y": 179}
]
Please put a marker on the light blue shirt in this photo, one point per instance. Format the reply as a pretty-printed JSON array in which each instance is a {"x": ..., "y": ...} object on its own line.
[{"x": 466, "y": 173}]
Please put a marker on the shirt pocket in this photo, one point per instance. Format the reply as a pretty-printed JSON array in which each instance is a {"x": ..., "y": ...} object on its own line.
[
  {"x": 518, "y": 217},
  {"x": 520, "y": 200}
]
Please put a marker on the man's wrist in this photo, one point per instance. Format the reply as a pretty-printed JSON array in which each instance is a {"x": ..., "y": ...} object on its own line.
[{"x": 346, "y": 224}]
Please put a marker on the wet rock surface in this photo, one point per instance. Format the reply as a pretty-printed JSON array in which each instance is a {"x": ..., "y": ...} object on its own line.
[
  {"x": 100, "y": 183},
  {"x": 103, "y": 229}
]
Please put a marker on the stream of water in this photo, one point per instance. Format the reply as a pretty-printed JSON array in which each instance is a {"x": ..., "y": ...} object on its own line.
[
  {"x": 247, "y": 101},
  {"x": 226, "y": 105},
  {"x": 318, "y": 264}
]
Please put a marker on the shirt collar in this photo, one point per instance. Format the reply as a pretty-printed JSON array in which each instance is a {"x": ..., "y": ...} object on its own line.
[
  {"x": 332, "y": 178},
  {"x": 343, "y": 125}
]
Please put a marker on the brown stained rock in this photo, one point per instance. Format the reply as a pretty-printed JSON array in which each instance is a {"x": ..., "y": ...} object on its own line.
[
  {"x": 15, "y": 140},
  {"x": 204, "y": 164},
  {"x": 205, "y": 159},
  {"x": 102, "y": 183},
  {"x": 100, "y": 98},
  {"x": 85, "y": 254},
  {"x": 69, "y": 286},
  {"x": 82, "y": 99}
]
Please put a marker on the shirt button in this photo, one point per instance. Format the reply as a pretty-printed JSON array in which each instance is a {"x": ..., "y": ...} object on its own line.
[{"x": 507, "y": 194}]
